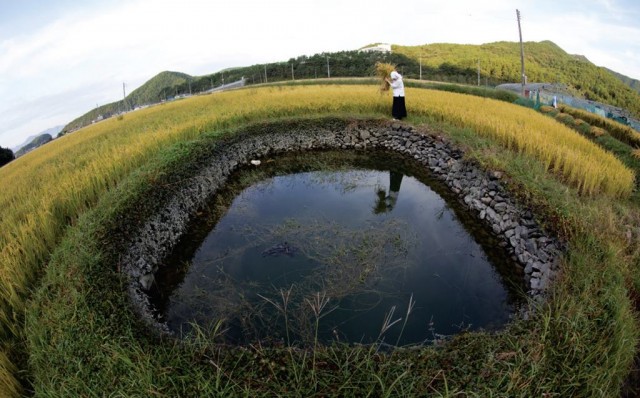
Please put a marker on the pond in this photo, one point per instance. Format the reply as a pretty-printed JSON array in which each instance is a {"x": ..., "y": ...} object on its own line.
[{"x": 336, "y": 246}]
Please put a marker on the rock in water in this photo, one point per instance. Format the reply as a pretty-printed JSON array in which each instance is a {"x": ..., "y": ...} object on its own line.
[{"x": 283, "y": 248}]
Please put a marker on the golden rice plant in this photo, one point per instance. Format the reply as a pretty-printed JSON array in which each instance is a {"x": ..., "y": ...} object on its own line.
[
  {"x": 382, "y": 71},
  {"x": 53, "y": 185},
  {"x": 579, "y": 122},
  {"x": 636, "y": 153},
  {"x": 617, "y": 130},
  {"x": 564, "y": 152},
  {"x": 597, "y": 131}
]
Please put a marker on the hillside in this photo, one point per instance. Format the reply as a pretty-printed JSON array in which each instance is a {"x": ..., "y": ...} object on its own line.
[
  {"x": 53, "y": 132},
  {"x": 633, "y": 83},
  {"x": 544, "y": 62},
  {"x": 161, "y": 86},
  {"x": 36, "y": 142},
  {"x": 499, "y": 63},
  {"x": 158, "y": 88}
]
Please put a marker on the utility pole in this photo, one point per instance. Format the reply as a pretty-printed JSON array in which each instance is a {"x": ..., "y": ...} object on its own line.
[
  {"x": 524, "y": 77},
  {"x": 265, "y": 74},
  {"x": 421, "y": 67},
  {"x": 124, "y": 97},
  {"x": 478, "y": 73},
  {"x": 328, "y": 70},
  {"x": 189, "y": 81},
  {"x": 292, "y": 78}
]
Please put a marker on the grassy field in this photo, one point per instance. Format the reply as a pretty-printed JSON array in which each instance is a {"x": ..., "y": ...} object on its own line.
[{"x": 68, "y": 330}]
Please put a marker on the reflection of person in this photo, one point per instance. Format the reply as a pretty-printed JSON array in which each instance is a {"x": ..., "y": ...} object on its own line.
[
  {"x": 386, "y": 203},
  {"x": 399, "y": 109}
]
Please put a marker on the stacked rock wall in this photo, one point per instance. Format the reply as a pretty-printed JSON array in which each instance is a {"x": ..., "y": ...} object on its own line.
[{"x": 481, "y": 192}]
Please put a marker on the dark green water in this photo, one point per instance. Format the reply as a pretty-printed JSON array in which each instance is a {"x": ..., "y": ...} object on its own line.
[{"x": 343, "y": 240}]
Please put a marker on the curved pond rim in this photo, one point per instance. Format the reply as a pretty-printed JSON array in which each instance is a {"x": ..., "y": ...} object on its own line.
[
  {"x": 167, "y": 208},
  {"x": 321, "y": 163}
]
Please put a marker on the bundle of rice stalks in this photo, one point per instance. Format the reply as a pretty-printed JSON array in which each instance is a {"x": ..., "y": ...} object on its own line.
[
  {"x": 636, "y": 153},
  {"x": 383, "y": 70}
]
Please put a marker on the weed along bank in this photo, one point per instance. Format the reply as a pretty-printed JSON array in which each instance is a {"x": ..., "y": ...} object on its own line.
[{"x": 533, "y": 254}]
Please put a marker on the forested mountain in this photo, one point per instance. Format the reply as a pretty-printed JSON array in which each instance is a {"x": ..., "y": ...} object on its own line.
[
  {"x": 498, "y": 63},
  {"x": 159, "y": 87},
  {"x": 544, "y": 62},
  {"x": 162, "y": 86},
  {"x": 633, "y": 83},
  {"x": 36, "y": 142}
]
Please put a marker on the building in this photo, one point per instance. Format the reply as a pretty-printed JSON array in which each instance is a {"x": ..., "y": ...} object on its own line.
[{"x": 380, "y": 47}]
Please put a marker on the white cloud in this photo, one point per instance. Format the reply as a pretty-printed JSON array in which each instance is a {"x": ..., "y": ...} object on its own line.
[{"x": 603, "y": 43}]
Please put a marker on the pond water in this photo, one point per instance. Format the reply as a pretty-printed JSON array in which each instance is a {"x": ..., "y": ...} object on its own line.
[{"x": 336, "y": 247}]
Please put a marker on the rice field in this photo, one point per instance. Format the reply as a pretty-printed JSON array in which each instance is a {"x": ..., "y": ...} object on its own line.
[
  {"x": 620, "y": 131},
  {"x": 47, "y": 189}
]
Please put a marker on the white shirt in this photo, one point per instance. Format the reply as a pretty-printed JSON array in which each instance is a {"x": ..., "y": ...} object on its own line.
[{"x": 396, "y": 84}]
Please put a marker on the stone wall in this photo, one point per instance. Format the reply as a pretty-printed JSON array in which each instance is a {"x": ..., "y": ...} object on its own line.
[{"x": 481, "y": 192}]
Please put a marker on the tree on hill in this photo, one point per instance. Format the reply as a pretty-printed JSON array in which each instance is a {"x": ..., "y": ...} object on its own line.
[{"x": 6, "y": 155}]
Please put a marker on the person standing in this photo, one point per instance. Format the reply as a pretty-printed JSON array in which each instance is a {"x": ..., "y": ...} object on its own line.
[{"x": 398, "y": 109}]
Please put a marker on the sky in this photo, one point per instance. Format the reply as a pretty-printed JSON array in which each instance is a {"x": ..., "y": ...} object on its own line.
[{"x": 61, "y": 58}]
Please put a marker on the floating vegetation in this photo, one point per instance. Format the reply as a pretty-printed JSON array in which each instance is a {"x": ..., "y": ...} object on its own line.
[
  {"x": 359, "y": 233},
  {"x": 347, "y": 262}
]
